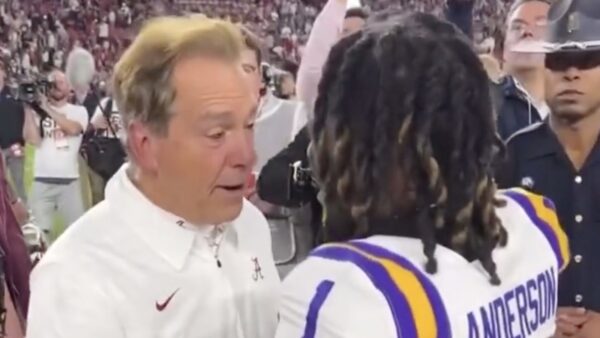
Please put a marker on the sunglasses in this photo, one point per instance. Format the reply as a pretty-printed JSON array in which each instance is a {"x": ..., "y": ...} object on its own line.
[{"x": 561, "y": 61}]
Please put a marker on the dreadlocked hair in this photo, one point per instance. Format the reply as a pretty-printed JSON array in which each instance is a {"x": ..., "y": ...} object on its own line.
[{"x": 404, "y": 130}]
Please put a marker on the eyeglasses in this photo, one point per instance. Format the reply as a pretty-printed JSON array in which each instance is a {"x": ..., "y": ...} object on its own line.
[{"x": 561, "y": 61}]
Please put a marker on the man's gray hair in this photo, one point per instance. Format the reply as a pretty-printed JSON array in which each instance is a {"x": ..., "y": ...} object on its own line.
[{"x": 142, "y": 86}]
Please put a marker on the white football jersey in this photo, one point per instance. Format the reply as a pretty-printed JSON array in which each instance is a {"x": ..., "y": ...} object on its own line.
[{"x": 377, "y": 287}]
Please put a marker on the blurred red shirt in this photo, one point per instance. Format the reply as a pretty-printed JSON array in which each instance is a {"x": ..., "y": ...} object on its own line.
[{"x": 17, "y": 264}]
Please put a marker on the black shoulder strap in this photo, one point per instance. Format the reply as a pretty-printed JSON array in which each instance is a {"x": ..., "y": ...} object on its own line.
[
  {"x": 108, "y": 108},
  {"x": 106, "y": 112}
]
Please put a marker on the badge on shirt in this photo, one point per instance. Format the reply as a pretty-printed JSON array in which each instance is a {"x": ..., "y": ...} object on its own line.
[{"x": 60, "y": 139}]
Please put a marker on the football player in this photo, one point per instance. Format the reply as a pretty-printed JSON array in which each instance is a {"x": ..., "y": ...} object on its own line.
[{"x": 422, "y": 243}]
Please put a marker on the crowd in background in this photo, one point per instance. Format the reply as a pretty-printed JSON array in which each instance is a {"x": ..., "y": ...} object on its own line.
[{"x": 36, "y": 35}]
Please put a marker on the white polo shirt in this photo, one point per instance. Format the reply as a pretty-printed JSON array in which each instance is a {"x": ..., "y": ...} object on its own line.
[{"x": 130, "y": 269}]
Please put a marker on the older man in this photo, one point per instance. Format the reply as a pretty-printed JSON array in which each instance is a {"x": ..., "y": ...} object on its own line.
[{"x": 174, "y": 250}]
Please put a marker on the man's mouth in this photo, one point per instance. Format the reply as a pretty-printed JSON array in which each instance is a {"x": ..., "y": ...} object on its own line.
[
  {"x": 232, "y": 188},
  {"x": 570, "y": 92}
]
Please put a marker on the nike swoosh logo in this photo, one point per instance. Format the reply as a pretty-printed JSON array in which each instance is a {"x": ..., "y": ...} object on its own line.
[{"x": 161, "y": 307}]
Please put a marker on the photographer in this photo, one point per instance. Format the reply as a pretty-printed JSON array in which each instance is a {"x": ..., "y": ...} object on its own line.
[
  {"x": 11, "y": 133},
  {"x": 55, "y": 128}
]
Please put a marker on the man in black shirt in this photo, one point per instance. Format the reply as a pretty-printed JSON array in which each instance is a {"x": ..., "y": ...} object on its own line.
[
  {"x": 11, "y": 132},
  {"x": 522, "y": 89},
  {"x": 560, "y": 158}
]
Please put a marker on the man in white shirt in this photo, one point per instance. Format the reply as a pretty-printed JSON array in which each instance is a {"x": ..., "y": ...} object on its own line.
[
  {"x": 277, "y": 120},
  {"x": 56, "y": 134},
  {"x": 174, "y": 250}
]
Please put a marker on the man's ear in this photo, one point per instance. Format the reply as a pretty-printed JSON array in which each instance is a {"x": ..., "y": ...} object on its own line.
[{"x": 141, "y": 144}]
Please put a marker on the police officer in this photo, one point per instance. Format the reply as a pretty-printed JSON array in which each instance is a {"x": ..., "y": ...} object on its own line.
[
  {"x": 12, "y": 118},
  {"x": 560, "y": 157}
]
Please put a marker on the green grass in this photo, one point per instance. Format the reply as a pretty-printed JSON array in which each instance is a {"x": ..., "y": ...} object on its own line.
[{"x": 59, "y": 224}]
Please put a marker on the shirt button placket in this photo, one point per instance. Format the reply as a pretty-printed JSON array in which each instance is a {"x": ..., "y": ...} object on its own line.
[{"x": 577, "y": 233}]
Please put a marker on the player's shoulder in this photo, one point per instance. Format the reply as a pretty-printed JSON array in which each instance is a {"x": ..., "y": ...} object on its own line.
[
  {"x": 533, "y": 204},
  {"x": 384, "y": 281},
  {"x": 527, "y": 209},
  {"x": 332, "y": 298}
]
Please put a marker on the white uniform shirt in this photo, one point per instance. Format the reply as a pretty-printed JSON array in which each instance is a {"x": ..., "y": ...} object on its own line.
[
  {"x": 377, "y": 287},
  {"x": 130, "y": 269},
  {"x": 57, "y": 155}
]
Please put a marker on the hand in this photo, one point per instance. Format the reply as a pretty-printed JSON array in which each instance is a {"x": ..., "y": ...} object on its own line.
[
  {"x": 591, "y": 328},
  {"x": 569, "y": 321},
  {"x": 43, "y": 101},
  {"x": 101, "y": 123}
]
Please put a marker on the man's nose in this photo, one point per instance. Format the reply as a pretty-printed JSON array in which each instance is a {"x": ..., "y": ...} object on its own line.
[
  {"x": 527, "y": 33},
  {"x": 571, "y": 74},
  {"x": 242, "y": 153}
]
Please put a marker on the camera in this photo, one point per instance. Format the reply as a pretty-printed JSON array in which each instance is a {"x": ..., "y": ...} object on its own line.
[
  {"x": 300, "y": 182},
  {"x": 28, "y": 91}
]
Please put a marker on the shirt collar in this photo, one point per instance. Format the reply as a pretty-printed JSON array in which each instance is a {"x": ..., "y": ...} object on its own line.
[
  {"x": 547, "y": 144},
  {"x": 167, "y": 234}
]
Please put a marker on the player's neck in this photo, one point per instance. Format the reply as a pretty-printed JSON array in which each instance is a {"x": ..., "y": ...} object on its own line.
[
  {"x": 532, "y": 81},
  {"x": 399, "y": 226}
]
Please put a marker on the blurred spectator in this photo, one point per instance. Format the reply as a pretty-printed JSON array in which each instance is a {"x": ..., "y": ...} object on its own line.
[
  {"x": 332, "y": 23},
  {"x": 37, "y": 33},
  {"x": 12, "y": 118},
  {"x": 15, "y": 262},
  {"x": 523, "y": 89}
]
